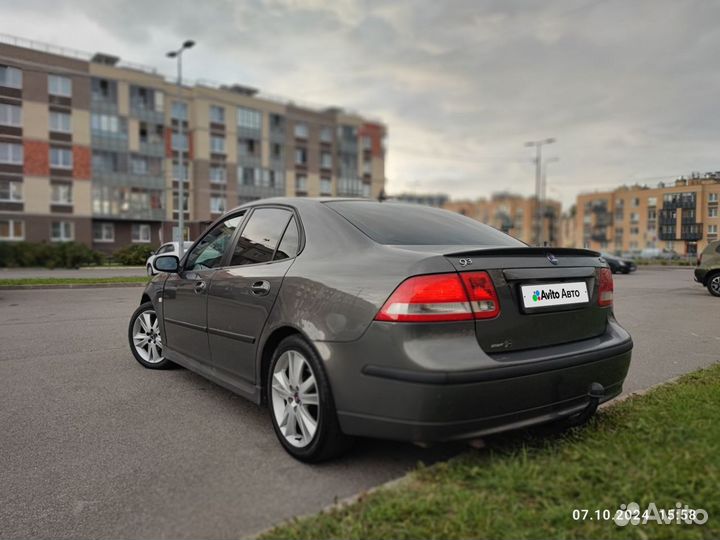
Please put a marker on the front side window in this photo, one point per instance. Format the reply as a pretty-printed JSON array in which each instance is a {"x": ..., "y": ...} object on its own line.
[
  {"x": 10, "y": 115},
  {"x": 209, "y": 252},
  {"x": 59, "y": 86},
  {"x": 62, "y": 231},
  {"x": 260, "y": 236},
  {"x": 10, "y": 191},
  {"x": 60, "y": 122},
  {"x": 61, "y": 158},
  {"x": 11, "y": 153},
  {"x": 10, "y": 77},
  {"x": 141, "y": 233}
]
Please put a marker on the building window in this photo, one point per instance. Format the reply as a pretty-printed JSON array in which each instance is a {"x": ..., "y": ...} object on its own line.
[
  {"x": 217, "y": 205},
  {"x": 634, "y": 217},
  {"x": 12, "y": 229},
  {"x": 11, "y": 153},
  {"x": 636, "y": 202},
  {"x": 141, "y": 233},
  {"x": 712, "y": 229},
  {"x": 177, "y": 173},
  {"x": 179, "y": 110},
  {"x": 248, "y": 118},
  {"x": 217, "y": 114},
  {"x": 179, "y": 141},
  {"x": 62, "y": 231},
  {"x": 217, "y": 144},
  {"x": 366, "y": 190},
  {"x": 652, "y": 201},
  {"x": 326, "y": 160},
  {"x": 301, "y": 156},
  {"x": 61, "y": 158},
  {"x": 301, "y": 131},
  {"x": 366, "y": 142},
  {"x": 59, "y": 86},
  {"x": 325, "y": 186},
  {"x": 10, "y": 77},
  {"x": 326, "y": 134},
  {"x": 301, "y": 183},
  {"x": 250, "y": 176},
  {"x": 248, "y": 147},
  {"x": 713, "y": 211},
  {"x": 367, "y": 167},
  {"x": 61, "y": 193},
  {"x": 103, "y": 232},
  {"x": 105, "y": 122},
  {"x": 138, "y": 165},
  {"x": 276, "y": 151},
  {"x": 634, "y": 230},
  {"x": 10, "y": 191},
  {"x": 10, "y": 115},
  {"x": 712, "y": 197},
  {"x": 218, "y": 174},
  {"x": 652, "y": 214},
  {"x": 60, "y": 122}
]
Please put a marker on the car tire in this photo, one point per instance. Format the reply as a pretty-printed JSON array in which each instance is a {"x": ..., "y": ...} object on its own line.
[
  {"x": 625, "y": 270},
  {"x": 145, "y": 339},
  {"x": 713, "y": 284},
  {"x": 291, "y": 400},
  {"x": 150, "y": 271}
]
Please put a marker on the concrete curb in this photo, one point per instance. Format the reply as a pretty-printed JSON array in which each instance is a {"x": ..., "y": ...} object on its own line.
[{"x": 70, "y": 286}]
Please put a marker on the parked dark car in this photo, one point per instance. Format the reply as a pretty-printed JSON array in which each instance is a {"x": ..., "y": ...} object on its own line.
[
  {"x": 358, "y": 318},
  {"x": 707, "y": 271},
  {"x": 619, "y": 264}
]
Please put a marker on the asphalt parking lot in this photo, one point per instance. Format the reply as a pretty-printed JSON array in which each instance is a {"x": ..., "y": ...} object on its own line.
[{"x": 94, "y": 446}]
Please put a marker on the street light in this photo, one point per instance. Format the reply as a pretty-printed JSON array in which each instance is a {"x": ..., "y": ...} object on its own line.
[
  {"x": 543, "y": 192},
  {"x": 538, "y": 181},
  {"x": 181, "y": 163}
]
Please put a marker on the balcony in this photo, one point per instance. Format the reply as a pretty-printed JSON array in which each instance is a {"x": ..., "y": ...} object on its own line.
[{"x": 692, "y": 232}]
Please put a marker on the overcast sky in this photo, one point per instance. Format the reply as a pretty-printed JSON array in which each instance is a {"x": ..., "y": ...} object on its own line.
[{"x": 630, "y": 89}]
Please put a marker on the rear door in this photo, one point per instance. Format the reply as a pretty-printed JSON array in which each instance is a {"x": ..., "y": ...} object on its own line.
[
  {"x": 547, "y": 297},
  {"x": 243, "y": 293},
  {"x": 185, "y": 293}
]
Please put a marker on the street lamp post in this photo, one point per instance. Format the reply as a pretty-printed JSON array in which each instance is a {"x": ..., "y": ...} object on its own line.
[
  {"x": 538, "y": 183},
  {"x": 544, "y": 194},
  {"x": 181, "y": 158}
]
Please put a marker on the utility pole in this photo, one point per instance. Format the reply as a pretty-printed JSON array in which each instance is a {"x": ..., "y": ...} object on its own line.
[
  {"x": 181, "y": 150},
  {"x": 538, "y": 184}
]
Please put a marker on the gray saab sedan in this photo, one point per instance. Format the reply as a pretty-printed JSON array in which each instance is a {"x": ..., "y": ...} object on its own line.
[{"x": 375, "y": 319}]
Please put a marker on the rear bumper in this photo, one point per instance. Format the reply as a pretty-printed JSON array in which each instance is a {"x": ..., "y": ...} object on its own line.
[
  {"x": 375, "y": 398},
  {"x": 700, "y": 274}
]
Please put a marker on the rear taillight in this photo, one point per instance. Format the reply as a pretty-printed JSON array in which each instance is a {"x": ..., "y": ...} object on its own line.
[
  {"x": 605, "y": 287},
  {"x": 442, "y": 297}
]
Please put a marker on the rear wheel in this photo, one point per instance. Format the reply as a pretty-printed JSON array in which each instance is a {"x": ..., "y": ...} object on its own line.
[
  {"x": 301, "y": 404},
  {"x": 713, "y": 284},
  {"x": 145, "y": 339}
]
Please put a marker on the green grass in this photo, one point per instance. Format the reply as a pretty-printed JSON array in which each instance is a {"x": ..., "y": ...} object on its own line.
[
  {"x": 72, "y": 281},
  {"x": 661, "y": 447}
]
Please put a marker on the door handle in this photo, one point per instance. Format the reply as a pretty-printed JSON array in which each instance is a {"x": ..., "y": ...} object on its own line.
[
  {"x": 260, "y": 288},
  {"x": 200, "y": 286}
]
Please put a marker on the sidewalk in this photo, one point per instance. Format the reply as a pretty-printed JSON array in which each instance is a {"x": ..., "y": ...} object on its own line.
[{"x": 93, "y": 272}]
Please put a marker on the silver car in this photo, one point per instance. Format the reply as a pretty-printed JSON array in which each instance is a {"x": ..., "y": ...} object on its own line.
[{"x": 170, "y": 248}]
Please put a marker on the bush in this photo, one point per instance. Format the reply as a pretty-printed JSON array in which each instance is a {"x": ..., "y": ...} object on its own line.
[
  {"x": 63, "y": 255},
  {"x": 134, "y": 255}
]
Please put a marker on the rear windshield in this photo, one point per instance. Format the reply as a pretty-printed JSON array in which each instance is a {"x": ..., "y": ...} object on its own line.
[{"x": 409, "y": 224}]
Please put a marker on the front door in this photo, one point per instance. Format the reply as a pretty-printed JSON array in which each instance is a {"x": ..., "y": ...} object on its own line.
[
  {"x": 242, "y": 294},
  {"x": 185, "y": 293}
]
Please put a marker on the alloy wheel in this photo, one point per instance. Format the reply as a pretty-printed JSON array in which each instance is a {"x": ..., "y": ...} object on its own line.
[
  {"x": 295, "y": 398},
  {"x": 715, "y": 284},
  {"x": 146, "y": 337}
]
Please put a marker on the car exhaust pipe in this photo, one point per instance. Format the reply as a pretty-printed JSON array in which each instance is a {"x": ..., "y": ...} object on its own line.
[{"x": 595, "y": 393}]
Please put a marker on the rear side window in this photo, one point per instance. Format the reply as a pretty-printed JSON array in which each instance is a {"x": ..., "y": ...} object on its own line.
[
  {"x": 407, "y": 224},
  {"x": 290, "y": 242},
  {"x": 260, "y": 237}
]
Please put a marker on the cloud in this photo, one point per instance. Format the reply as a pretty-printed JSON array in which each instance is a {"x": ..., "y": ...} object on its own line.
[{"x": 627, "y": 88}]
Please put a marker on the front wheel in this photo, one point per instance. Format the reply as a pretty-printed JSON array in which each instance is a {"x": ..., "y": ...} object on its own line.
[
  {"x": 145, "y": 339},
  {"x": 713, "y": 284},
  {"x": 301, "y": 404}
]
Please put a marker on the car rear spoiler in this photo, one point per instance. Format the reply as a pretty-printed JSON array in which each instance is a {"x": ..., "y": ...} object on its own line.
[{"x": 524, "y": 252}]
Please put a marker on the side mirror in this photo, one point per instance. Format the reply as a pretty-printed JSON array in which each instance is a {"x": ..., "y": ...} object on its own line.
[{"x": 167, "y": 263}]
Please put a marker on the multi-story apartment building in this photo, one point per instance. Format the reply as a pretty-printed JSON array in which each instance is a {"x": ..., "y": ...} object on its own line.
[
  {"x": 427, "y": 199},
  {"x": 683, "y": 216},
  {"x": 90, "y": 149},
  {"x": 521, "y": 217}
]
